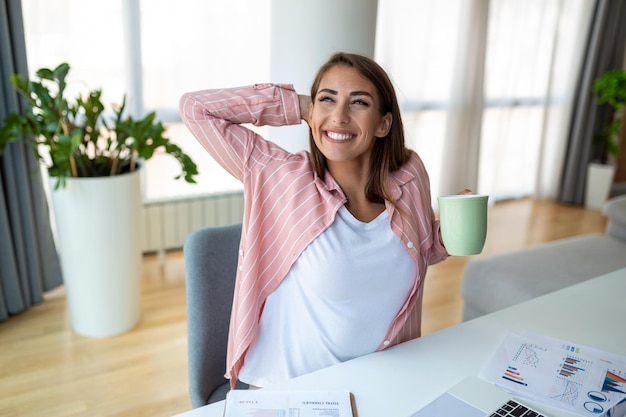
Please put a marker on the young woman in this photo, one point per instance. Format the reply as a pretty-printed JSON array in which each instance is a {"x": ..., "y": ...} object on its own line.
[{"x": 336, "y": 241}]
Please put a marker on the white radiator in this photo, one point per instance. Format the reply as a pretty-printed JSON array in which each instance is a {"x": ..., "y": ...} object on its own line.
[{"x": 167, "y": 223}]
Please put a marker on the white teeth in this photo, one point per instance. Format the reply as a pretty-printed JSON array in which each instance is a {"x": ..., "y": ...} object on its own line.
[{"x": 339, "y": 136}]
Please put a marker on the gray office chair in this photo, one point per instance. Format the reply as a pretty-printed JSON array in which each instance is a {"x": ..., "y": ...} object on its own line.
[{"x": 210, "y": 264}]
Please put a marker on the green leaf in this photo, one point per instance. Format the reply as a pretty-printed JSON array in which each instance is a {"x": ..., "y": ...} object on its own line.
[{"x": 78, "y": 128}]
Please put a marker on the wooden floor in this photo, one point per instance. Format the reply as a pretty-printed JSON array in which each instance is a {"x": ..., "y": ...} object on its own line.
[{"x": 47, "y": 370}]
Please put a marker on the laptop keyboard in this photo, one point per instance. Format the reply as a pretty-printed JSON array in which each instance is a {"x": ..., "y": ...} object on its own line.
[{"x": 514, "y": 409}]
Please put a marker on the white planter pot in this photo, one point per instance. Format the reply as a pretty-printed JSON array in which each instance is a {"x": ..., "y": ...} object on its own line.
[
  {"x": 598, "y": 186},
  {"x": 98, "y": 233}
]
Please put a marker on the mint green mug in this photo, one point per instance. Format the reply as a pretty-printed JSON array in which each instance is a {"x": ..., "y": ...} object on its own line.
[{"x": 463, "y": 222}]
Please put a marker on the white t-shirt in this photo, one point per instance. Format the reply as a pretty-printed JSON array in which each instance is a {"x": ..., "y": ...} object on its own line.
[{"x": 336, "y": 303}]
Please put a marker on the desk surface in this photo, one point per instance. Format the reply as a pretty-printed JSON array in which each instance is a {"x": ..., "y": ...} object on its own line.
[{"x": 402, "y": 379}]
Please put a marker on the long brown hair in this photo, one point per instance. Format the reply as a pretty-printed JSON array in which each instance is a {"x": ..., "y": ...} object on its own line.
[{"x": 389, "y": 153}]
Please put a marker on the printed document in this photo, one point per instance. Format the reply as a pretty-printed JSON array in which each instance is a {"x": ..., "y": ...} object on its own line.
[
  {"x": 573, "y": 377},
  {"x": 268, "y": 403}
]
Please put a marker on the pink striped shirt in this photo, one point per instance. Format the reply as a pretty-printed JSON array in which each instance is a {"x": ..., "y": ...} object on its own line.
[{"x": 287, "y": 205}]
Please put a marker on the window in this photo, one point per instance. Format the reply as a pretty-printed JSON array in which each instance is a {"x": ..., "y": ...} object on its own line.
[
  {"x": 154, "y": 51},
  {"x": 532, "y": 56}
]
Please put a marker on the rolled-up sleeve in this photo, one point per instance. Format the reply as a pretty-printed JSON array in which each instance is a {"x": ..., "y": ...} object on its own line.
[{"x": 216, "y": 119}]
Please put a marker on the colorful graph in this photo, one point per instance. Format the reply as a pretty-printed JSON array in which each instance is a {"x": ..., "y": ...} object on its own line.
[
  {"x": 512, "y": 374},
  {"x": 613, "y": 383},
  {"x": 573, "y": 369},
  {"x": 570, "y": 367}
]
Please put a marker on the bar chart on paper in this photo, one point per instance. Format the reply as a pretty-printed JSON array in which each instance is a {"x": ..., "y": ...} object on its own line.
[
  {"x": 574, "y": 369},
  {"x": 570, "y": 379}
]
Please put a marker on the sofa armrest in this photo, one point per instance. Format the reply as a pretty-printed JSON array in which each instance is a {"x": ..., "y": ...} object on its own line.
[{"x": 615, "y": 210}]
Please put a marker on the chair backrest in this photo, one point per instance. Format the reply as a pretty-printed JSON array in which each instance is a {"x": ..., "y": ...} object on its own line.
[{"x": 210, "y": 265}]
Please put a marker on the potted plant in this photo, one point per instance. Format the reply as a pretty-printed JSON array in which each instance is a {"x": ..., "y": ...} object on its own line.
[
  {"x": 610, "y": 88},
  {"x": 92, "y": 156},
  {"x": 78, "y": 137}
]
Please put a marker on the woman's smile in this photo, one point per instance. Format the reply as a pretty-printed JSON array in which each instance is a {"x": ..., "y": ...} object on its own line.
[{"x": 336, "y": 136}]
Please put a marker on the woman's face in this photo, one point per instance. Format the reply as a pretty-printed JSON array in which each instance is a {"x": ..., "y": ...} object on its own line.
[{"x": 344, "y": 117}]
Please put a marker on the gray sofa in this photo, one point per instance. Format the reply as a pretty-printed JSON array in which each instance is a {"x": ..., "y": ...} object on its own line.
[{"x": 495, "y": 282}]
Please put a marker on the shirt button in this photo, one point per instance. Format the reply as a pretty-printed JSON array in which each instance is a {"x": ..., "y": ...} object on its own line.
[
  {"x": 240, "y": 252},
  {"x": 409, "y": 245},
  {"x": 386, "y": 343},
  {"x": 241, "y": 267}
]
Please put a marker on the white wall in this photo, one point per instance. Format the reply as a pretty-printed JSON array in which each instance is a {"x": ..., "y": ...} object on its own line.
[{"x": 303, "y": 36}]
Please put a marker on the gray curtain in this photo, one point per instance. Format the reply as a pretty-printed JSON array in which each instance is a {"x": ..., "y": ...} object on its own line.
[
  {"x": 604, "y": 51},
  {"x": 29, "y": 264}
]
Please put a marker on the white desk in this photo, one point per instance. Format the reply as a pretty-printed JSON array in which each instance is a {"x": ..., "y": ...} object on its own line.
[{"x": 404, "y": 378}]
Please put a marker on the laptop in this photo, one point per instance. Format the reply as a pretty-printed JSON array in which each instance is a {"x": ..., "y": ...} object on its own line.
[
  {"x": 475, "y": 397},
  {"x": 564, "y": 379}
]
